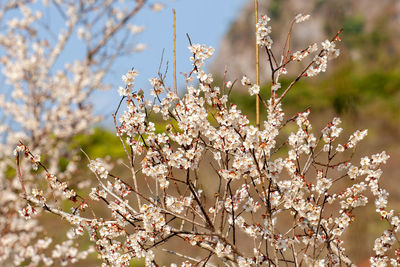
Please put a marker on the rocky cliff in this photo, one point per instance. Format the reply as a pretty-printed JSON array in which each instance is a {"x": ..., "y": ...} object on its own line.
[{"x": 371, "y": 32}]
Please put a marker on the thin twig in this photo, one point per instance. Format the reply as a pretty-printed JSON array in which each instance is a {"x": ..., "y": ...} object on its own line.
[
  {"x": 174, "y": 27},
  {"x": 19, "y": 173},
  {"x": 257, "y": 66}
]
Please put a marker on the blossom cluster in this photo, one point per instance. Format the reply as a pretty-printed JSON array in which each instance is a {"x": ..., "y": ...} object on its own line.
[
  {"x": 263, "y": 31},
  {"x": 44, "y": 103},
  {"x": 206, "y": 181}
]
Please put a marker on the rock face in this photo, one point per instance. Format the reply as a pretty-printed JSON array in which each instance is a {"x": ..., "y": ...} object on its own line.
[{"x": 371, "y": 28}]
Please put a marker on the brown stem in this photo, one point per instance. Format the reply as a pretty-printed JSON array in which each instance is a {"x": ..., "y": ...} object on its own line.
[
  {"x": 174, "y": 28},
  {"x": 257, "y": 66},
  {"x": 19, "y": 173}
]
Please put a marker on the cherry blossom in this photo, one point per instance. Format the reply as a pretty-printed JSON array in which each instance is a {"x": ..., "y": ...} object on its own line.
[{"x": 200, "y": 174}]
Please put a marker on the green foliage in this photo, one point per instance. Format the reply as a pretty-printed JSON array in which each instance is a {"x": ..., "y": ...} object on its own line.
[
  {"x": 101, "y": 143},
  {"x": 63, "y": 163},
  {"x": 10, "y": 172},
  {"x": 274, "y": 9},
  {"x": 353, "y": 27},
  {"x": 346, "y": 90},
  {"x": 319, "y": 3}
]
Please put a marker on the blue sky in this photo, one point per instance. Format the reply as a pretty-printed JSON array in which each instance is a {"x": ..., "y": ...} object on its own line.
[{"x": 206, "y": 21}]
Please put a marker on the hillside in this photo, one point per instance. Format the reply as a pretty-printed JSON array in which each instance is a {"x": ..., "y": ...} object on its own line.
[
  {"x": 364, "y": 82},
  {"x": 371, "y": 32}
]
